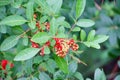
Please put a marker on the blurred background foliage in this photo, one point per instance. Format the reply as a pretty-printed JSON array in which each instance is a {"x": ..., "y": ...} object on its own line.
[{"x": 106, "y": 14}]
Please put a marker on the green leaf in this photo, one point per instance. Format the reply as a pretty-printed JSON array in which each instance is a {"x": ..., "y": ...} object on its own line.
[
  {"x": 92, "y": 44},
  {"x": 9, "y": 43},
  {"x": 76, "y": 29},
  {"x": 40, "y": 37},
  {"x": 37, "y": 59},
  {"x": 5, "y": 2},
  {"x": 85, "y": 23},
  {"x": 99, "y": 75},
  {"x": 119, "y": 63},
  {"x": 29, "y": 10},
  {"x": 53, "y": 26},
  {"x": 13, "y": 20},
  {"x": 25, "y": 41},
  {"x": 64, "y": 24},
  {"x": 95, "y": 45},
  {"x": 82, "y": 35},
  {"x": 62, "y": 64},
  {"x": 88, "y": 79},
  {"x": 32, "y": 24},
  {"x": 100, "y": 38},
  {"x": 117, "y": 77},
  {"x": 26, "y": 54},
  {"x": 44, "y": 76},
  {"x": 78, "y": 76},
  {"x": 3, "y": 29},
  {"x": 43, "y": 19},
  {"x": 51, "y": 65},
  {"x": 45, "y": 8},
  {"x": 91, "y": 35},
  {"x": 73, "y": 67},
  {"x": 55, "y": 4},
  {"x": 47, "y": 50},
  {"x": 80, "y": 6}
]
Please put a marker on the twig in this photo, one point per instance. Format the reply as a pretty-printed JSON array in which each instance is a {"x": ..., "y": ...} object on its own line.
[
  {"x": 24, "y": 32},
  {"x": 72, "y": 28},
  {"x": 115, "y": 69},
  {"x": 78, "y": 60}
]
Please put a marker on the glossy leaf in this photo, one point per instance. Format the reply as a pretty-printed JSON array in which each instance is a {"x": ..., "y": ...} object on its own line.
[
  {"x": 80, "y": 6},
  {"x": 53, "y": 26},
  {"x": 78, "y": 76},
  {"x": 99, "y": 75},
  {"x": 100, "y": 38},
  {"x": 40, "y": 37},
  {"x": 92, "y": 44},
  {"x": 91, "y": 35},
  {"x": 13, "y": 20},
  {"x": 9, "y": 42},
  {"x": 85, "y": 23},
  {"x": 29, "y": 10},
  {"x": 26, "y": 54},
  {"x": 82, "y": 35},
  {"x": 25, "y": 41},
  {"x": 3, "y": 29},
  {"x": 117, "y": 77},
  {"x": 55, "y": 5},
  {"x": 65, "y": 24},
  {"x": 32, "y": 24},
  {"x": 61, "y": 64},
  {"x": 47, "y": 50},
  {"x": 44, "y": 76},
  {"x": 45, "y": 8},
  {"x": 76, "y": 29},
  {"x": 73, "y": 67},
  {"x": 119, "y": 63},
  {"x": 51, "y": 65},
  {"x": 5, "y": 2},
  {"x": 43, "y": 19}
]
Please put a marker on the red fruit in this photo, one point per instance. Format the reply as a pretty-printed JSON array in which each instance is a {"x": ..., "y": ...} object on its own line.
[
  {"x": 47, "y": 43},
  {"x": 35, "y": 16},
  {"x": 4, "y": 63},
  {"x": 42, "y": 51},
  {"x": 34, "y": 45},
  {"x": 38, "y": 24},
  {"x": 71, "y": 42},
  {"x": 61, "y": 46},
  {"x": 75, "y": 47},
  {"x": 47, "y": 24}
]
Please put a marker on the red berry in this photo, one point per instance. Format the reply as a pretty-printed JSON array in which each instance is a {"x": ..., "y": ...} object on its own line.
[
  {"x": 4, "y": 63},
  {"x": 42, "y": 51},
  {"x": 35, "y": 16},
  {"x": 75, "y": 47},
  {"x": 47, "y": 43},
  {"x": 47, "y": 24},
  {"x": 71, "y": 42},
  {"x": 34, "y": 45}
]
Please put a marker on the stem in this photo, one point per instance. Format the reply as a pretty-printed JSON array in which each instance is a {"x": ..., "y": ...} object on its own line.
[
  {"x": 78, "y": 60},
  {"x": 115, "y": 69},
  {"x": 72, "y": 27},
  {"x": 24, "y": 32}
]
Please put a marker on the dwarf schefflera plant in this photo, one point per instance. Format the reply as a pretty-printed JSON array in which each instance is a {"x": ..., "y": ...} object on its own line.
[{"x": 41, "y": 42}]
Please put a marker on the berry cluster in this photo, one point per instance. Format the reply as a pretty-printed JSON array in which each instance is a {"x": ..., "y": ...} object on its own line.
[
  {"x": 4, "y": 63},
  {"x": 34, "y": 45},
  {"x": 42, "y": 49},
  {"x": 63, "y": 45},
  {"x": 47, "y": 24}
]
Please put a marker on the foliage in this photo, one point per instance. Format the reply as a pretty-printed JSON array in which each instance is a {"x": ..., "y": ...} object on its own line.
[{"x": 42, "y": 40}]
